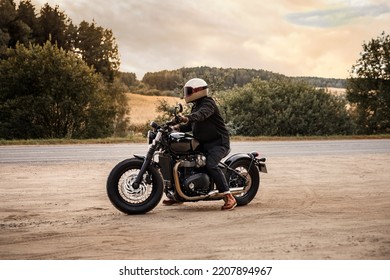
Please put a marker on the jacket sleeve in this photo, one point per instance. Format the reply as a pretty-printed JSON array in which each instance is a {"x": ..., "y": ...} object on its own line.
[
  {"x": 205, "y": 111},
  {"x": 185, "y": 127}
]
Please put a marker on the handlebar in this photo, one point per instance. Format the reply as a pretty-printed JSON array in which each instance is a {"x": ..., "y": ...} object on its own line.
[{"x": 167, "y": 125}]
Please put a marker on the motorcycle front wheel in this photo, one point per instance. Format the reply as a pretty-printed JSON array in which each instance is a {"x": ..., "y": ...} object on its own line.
[{"x": 128, "y": 199}]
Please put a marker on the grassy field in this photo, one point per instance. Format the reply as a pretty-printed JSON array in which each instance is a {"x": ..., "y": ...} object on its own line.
[{"x": 143, "y": 108}]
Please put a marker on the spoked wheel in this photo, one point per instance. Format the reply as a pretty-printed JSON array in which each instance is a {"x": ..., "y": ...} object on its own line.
[
  {"x": 252, "y": 180},
  {"x": 128, "y": 199}
]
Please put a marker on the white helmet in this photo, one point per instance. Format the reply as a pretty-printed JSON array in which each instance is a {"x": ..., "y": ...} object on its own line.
[{"x": 194, "y": 89}]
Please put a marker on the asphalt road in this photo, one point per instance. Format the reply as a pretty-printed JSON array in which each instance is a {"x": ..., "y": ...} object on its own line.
[{"x": 269, "y": 149}]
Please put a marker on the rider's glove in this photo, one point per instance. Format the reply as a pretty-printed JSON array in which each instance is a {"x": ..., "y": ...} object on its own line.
[
  {"x": 183, "y": 119},
  {"x": 176, "y": 127}
]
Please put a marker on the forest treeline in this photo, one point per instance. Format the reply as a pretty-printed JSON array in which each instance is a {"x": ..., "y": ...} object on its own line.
[{"x": 167, "y": 82}]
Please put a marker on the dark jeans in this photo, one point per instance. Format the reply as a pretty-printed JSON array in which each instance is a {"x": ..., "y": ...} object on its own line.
[{"x": 214, "y": 156}]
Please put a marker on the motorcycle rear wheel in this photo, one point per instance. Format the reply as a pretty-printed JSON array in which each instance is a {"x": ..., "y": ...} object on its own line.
[
  {"x": 251, "y": 173},
  {"x": 128, "y": 199}
]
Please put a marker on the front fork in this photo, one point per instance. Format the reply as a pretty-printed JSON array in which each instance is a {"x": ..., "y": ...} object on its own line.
[{"x": 147, "y": 161}]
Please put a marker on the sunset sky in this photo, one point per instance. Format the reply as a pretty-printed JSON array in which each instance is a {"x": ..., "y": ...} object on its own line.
[{"x": 292, "y": 37}]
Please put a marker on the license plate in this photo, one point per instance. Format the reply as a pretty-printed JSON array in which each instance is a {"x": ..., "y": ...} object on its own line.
[{"x": 263, "y": 168}]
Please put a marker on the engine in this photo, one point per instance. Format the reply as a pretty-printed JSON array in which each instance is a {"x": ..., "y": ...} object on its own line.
[{"x": 192, "y": 175}]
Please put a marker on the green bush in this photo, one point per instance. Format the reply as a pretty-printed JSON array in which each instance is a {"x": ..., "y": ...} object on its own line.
[{"x": 284, "y": 107}]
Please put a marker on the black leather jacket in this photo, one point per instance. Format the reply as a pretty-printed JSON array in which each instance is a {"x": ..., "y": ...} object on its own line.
[{"x": 207, "y": 124}]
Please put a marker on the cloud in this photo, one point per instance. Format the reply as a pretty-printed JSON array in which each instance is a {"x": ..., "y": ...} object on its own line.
[
  {"x": 338, "y": 16},
  {"x": 154, "y": 35}
]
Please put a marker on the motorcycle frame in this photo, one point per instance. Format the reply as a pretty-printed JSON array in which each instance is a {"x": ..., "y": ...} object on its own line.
[{"x": 158, "y": 145}]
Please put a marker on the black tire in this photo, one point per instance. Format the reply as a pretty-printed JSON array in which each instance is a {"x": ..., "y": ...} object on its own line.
[
  {"x": 253, "y": 178},
  {"x": 127, "y": 199}
]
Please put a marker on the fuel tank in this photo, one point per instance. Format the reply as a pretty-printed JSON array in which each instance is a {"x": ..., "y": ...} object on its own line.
[{"x": 182, "y": 143}]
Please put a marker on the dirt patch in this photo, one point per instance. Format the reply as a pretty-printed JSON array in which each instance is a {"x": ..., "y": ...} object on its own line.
[{"x": 323, "y": 207}]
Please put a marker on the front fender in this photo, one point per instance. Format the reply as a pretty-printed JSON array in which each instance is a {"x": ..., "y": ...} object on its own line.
[{"x": 142, "y": 158}]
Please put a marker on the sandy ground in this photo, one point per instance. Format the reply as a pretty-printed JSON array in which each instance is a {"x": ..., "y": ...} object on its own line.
[{"x": 324, "y": 207}]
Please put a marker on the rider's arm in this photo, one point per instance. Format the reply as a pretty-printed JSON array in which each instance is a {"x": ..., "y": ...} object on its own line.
[{"x": 203, "y": 112}]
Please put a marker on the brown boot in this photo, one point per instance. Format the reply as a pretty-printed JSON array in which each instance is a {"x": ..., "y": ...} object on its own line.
[
  {"x": 169, "y": 202},
  {"x": 230, "y": 202}
]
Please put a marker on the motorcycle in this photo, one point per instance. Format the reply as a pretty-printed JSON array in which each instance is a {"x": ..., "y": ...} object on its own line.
[{"x": 176, "y": 166}]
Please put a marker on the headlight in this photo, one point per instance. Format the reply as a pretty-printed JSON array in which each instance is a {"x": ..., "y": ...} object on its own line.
[{"x": 151, "y": 136}]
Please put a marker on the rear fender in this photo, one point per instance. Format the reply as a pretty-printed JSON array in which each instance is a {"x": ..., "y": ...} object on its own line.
[
  {"x": 236, "y": 157},
  {"x": 250, "y": 157}
]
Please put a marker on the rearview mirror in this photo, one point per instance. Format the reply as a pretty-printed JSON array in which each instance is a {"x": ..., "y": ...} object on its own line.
[{"x": 178, "y": 108}]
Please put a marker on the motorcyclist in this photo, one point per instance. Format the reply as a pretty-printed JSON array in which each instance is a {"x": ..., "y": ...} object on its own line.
[{"x": 208, "y": 126}]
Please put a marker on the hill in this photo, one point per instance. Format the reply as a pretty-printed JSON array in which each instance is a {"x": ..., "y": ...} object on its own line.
[{"x": 221, "y": 78}]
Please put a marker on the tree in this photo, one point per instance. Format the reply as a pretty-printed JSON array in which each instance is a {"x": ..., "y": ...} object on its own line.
[
  {"x": 284, "y": 107},
  {"x": 129, "y": 81},
  {"x": 55, "y": 26},
  {"x": 27, "y": 14},
  {"x": 98, "y": 48},
  {"x": 7, "y": 15},
  {"x": 12, "y": 29},
  {"x": 46, "y": 92},
  {"x": 368, "y": 88}
]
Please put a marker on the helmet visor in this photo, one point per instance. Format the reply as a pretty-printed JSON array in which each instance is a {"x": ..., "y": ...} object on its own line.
[{"x": 189, "y": 90}]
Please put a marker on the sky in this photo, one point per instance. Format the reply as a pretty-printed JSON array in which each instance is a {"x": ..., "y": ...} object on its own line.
[{"x": 321, "y": 38}]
